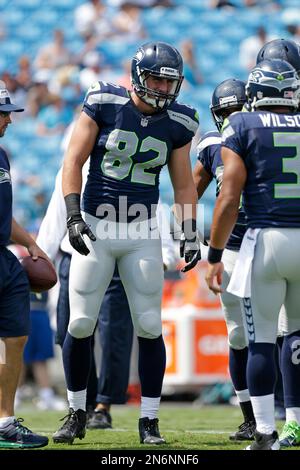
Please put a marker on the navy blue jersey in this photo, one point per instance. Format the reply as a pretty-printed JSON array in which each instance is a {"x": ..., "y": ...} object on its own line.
[
  {"x": 209, "y": 154},
  {"x": 269, "y": 145},
  {"x": 5, "y": 199},
  {"x": 131, "y": 148}
]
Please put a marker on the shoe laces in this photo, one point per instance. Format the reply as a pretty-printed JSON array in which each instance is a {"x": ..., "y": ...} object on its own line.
[
  {"x": 70, "y": 417},
  {"x": 22, "y": 429},
  {"x": 245, "y": 426}
]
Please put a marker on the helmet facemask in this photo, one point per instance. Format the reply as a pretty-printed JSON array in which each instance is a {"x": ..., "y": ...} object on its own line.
[{"x": 155, "y": 98}]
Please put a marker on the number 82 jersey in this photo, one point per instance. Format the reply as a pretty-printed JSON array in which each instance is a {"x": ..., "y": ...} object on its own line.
[{"x": 131, "y": 148}]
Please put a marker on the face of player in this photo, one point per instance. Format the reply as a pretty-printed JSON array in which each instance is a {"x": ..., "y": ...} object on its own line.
[
  {"x": 4, "y": 121},
  {"x": 164, "y": 85}
]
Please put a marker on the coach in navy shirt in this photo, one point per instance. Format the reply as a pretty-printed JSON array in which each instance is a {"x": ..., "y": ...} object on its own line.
[{"x": 14, "y": 300}]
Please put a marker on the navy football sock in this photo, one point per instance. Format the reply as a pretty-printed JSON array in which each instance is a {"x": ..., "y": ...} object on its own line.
[
  {"x": 261, "y": 372},
  {"x": 152, "y": 364},
  {"x": 238, "y": 359},
  {"x": 290, "y": 369},
  {"x": 77, "y": 360},
  {"x": 237, "y": 366}
]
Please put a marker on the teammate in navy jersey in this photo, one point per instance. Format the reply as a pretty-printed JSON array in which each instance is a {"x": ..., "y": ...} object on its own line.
[
  {"x": 228, "y": 97},
  {"x": 284, "y": 49},
  {"x": 260, "y": 152},
  {"x": 14, "y": 300},
  {"x": 288, "y": 50},
  {"x": 129, "y": 136}
]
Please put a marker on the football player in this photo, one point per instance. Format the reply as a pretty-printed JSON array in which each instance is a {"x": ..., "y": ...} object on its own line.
[
  {"x": 288, "y": 50},
  {"x": 284, "y": 49},
  {"x": 115, "y": 330},
  {"x": 260, "y": 152},
  {"x": 14, "y": 300},
  {"x": 129, "y": 136},
  {"x": 228, "y": 97}
]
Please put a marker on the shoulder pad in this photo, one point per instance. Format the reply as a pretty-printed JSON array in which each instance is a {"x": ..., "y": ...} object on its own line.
[
  {"x": 185, "y": 115},
  {"x": 210, "y": 138},
  {"x": 106, "y": 93}
]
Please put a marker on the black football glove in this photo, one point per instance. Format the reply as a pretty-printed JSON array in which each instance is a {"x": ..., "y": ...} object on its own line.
[
  {"x": 190, "y": 250},
  {"x": 77, "y": 228}
]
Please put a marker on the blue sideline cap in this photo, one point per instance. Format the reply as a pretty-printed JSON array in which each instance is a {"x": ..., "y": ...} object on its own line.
[{"x": 5, "y": 103}]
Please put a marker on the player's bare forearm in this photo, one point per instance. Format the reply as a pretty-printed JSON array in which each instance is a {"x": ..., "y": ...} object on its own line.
[
  {"x": 186, "y": 203},
  {"x": 80, "y": 147},
  {"x": 185, "y": 194},
  {"x": 224, "y": 219},
  {"x": 72, "y": 177},
  {"x": 227, "y": 206},
  {"x": 201, "y": 178},
  {"x": 20, "y": 236}
]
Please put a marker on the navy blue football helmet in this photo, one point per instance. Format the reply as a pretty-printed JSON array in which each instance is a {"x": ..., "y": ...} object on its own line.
[
  {"x": 273, "y": 82},
  {"x": 158, "y": 59},
  {"x": 228, "y": 96},
  {"x": 284, "y": 49}
]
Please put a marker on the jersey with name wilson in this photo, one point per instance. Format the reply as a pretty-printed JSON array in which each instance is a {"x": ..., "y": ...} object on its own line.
[
  {"x": 209, "y": 155},
  {"x": 131, "y": 148},
  {"x": 269, "y": 144},
  {"x": 5, "y": 199}
]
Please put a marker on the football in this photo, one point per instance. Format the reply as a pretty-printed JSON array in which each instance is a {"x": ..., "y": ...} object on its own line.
[{"x": 41, "y": 273}]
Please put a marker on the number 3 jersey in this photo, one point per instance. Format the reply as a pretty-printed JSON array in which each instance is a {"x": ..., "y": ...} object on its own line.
[
  {"x": 131, "y": 148},
  {"x": 269, "y": 145}
]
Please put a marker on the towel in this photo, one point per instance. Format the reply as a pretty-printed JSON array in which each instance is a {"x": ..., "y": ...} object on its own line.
[{"x": 240, "y": 281}]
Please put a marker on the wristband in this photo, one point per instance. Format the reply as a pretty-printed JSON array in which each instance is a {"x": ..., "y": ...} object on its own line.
[
  {"x": 214, "y": 255},
  {"x": 72, "y": 202}
]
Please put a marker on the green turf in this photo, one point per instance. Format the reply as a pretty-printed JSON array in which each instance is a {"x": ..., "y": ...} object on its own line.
[{"x": 183, "y": 426}]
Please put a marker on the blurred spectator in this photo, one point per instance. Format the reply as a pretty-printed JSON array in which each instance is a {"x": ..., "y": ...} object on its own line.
[
  {"x": 226, "y": 4},
  {"x": 125, "y": 79},
  {"x": 53, "y": 55},
  {"x": 91, "y": 70},
  {"x": 265, "y": 4},
  {"x": 142, "y": 3},
  {"x": 294, "y": 30},
  {"x": 191, "y": 71},
  {"x": 250, "y": 46},
  {"x": 24, "y": 72},
  {"x": 2, "y": 30},
  {"x": 65, "y": 83},
  {"x": 38, "y": 96},
  {"x": 291, "y": 19},
  {"x": 128, "y": 24},
  {"x": 53, "y": 119},
  {"x": 92, "y": 19}
]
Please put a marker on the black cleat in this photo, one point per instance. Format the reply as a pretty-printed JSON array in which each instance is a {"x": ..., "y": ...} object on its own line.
[
  {"x": 149, "y": 432},
  {"x": 265, "y": 441},
  {"x": 245, "y": 432},
  {"x": 73, "y": 427},
  {"x": 100, "y": 419}
]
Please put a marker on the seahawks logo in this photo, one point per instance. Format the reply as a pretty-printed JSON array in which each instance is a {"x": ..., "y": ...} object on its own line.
[
  {"x": 4, "y": 176},
  {"x": 255, "y": 76}
]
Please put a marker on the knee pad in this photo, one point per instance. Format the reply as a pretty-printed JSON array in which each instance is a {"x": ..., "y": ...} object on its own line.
[
  {"x": 148, "y": 325},
  {"x": 237, "y": 338},
  {"x": 148, "y": 276},
  {"x": 81, "y": 328}
]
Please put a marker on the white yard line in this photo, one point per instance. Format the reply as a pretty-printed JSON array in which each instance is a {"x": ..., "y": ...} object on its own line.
[{"x": 191, "y": 431}]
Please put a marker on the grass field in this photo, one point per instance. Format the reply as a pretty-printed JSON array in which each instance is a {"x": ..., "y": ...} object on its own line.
[{"x": 184, "y": 426}]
